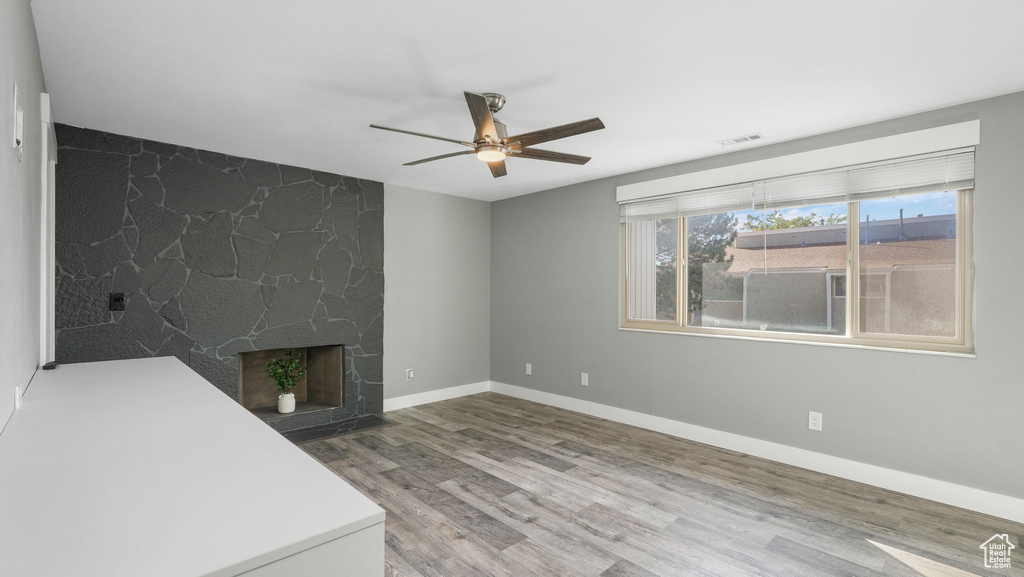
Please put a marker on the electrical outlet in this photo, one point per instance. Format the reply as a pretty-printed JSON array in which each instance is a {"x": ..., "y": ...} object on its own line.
[
  {"x": 585, "y": 379},
  {"x": 116, "y": 301},
  {"x": 409, "y": 374},
  {"x": 814, "y": 421},
  {"x": 529, "y": 369},
  {"x": 17, "y": 398}
]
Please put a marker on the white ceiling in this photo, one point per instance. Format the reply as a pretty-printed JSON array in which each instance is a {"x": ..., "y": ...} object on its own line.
[{"x": 298, "y": 81}]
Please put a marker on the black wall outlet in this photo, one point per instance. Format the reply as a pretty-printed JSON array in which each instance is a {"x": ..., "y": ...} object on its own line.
[{"x": 117, "y": 301}]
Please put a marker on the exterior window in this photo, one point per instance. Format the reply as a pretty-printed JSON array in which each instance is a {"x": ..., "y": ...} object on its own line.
[
  {"x": 908, "y": 265},
  {"x": 653, "y": 278},
  {"x": 785, "y": 272},
  {"x": 765, "y": 270}
]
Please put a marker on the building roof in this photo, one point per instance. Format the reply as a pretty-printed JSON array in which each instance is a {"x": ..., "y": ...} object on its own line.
[{"x": 833, "y": 256}]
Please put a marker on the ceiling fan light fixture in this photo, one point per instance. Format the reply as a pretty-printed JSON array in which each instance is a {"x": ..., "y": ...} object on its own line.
[{"x": 490, "y": 153}]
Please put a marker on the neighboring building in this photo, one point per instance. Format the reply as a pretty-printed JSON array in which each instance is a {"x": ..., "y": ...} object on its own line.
[{"x": 795, "y": 279}]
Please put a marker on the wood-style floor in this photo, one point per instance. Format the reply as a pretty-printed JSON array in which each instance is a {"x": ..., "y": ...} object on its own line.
[{"x": 493, "y": 485}]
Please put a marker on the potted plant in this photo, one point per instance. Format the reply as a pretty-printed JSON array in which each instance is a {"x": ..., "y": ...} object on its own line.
[{"x": 286, "y": 373}]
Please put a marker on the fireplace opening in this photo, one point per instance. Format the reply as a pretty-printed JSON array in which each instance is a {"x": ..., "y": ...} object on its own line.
[{"x": 322, "y": 387}]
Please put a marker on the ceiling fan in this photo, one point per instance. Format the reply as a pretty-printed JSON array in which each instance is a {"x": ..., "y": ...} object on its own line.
[{"x": 492, "y": 144}]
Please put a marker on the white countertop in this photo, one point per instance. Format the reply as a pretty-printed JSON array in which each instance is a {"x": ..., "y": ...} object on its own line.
[{"x": 141, "y": 467}]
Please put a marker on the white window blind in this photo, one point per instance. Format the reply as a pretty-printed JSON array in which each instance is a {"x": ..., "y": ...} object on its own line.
[{"x": 935, "y": 172}]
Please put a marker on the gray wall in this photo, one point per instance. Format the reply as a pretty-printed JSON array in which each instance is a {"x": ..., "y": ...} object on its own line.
[
  {"x": 20, "y": 198},
  {"x": 555, "y": 303},
  {"x": 216, "y": 255},
  {"x": 437, "y": 303}
]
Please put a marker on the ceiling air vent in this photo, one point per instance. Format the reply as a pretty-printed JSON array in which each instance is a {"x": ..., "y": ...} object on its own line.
[{"x": 741, "y": 139}]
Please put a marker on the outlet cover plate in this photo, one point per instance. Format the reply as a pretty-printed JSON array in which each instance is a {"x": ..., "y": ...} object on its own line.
[
  {"x": 529, "y": 368},
  {"x": 814, "y": 421}
]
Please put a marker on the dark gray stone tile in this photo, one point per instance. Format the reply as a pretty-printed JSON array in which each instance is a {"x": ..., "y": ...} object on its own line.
[
  {"x": 336, "y": 268},
  {"x": 320, "y": 315},
  {"x": 126, "y": 280},
  {"x": 74, "y": 137},
  {"x": 294, "y": 335},
  {"x": 260, "y": 174},
  {"x": 371, "y": 339},
  {"x": 159, "y": 148},
  {"x": 337, "y": 306},
  {"x": 373, "y": 194},
  {"x": 252, "y": 256},
  {"x": 131, "y": 236},
  {"x": 159, "y": 228},
  {"x": 326, "y": 178},
  {"x": 339, "y": 332},
  {"x": 295, "y": 207},
  {"x": 267, "y": 293},
  {"x": 295, "y": 254},
  {"x": 366, "y": 298},
  {"x": 171, "y": 312},
  {"x": 218, "y": 160},
  {"x": 194, "y": 188},
  {"x": 207, "y": 245},
  {"x": 371, "y": 240},
  {"x": 179, "y": 345},
  {"x": 235, "y": 346},
  {"x": 163, "y": 279},
  {"x": 219, "y": 309},
  {"x": 78, "y": 345},
  {"x": 104, "y": 257},
  {"x": 301, "y": 420},
  {"x": 69, "y": 259},
  {"x": 144, "y": 164},
  {"x": 81, "y": 302},
  {"x": 370, "y": 368},
  {"x": 251, "y": 227},
  {"x": 344, "y": 212},
  {"x": 293, "y": 174},
  {"x": 294, "y": 302},
  {"x": 142, "y": 323},
  {"x": 91, "y": 191},
  {"x": 176, "y": 304},
  {"x": 149, "y": 187}
]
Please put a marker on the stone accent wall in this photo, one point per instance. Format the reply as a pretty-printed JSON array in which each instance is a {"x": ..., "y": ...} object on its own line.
[{"x": 216, "y": 255}]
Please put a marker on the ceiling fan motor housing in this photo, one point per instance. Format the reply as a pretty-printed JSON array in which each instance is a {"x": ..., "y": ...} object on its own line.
[{"x": 494, "y": 101}]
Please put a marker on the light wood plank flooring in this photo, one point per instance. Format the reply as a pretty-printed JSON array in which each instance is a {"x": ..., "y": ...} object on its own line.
[{"x": 493, "y": 485}]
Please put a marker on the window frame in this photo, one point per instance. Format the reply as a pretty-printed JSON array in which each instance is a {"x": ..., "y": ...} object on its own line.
[{"x": 962, "y": 343}]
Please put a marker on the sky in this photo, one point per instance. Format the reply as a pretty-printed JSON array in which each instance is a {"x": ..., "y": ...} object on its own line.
[{"x": 930, "y": 204}]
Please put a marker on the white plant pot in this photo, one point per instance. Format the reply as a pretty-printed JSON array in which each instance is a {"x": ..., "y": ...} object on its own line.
[{"x": 286, "y": 403}]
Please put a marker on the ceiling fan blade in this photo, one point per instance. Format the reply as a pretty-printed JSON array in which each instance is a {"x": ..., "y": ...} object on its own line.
[
  {"x": 556, "y": 132},
  {"x": 497, "y": 168},
  {"x": 432, "y": 158},
  {"x": 482, "y": 119},
  {"x": 538, "y": 154},
  {"x": 423, "y": 135}
]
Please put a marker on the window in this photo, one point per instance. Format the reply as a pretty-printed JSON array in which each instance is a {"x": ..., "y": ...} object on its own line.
[
  {"x": 653, "y": 275},
  {"x": 775, "y": 258}
]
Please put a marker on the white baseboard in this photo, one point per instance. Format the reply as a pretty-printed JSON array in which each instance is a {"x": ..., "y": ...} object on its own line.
[
  {"x": 994, "y": 504},
  {"x": 435, "y": 396}
]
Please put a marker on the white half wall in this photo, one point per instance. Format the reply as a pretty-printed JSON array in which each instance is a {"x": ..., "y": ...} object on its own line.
[
  {"x": 437, "y": 289},
  {"x": 20, "y": 219}
]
